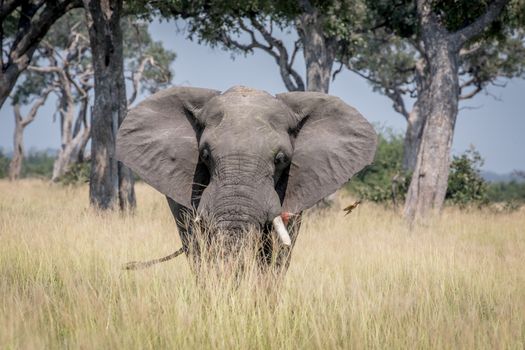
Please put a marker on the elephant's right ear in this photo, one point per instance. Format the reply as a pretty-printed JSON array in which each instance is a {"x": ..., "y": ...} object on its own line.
[{"x": 158, "y": 140}]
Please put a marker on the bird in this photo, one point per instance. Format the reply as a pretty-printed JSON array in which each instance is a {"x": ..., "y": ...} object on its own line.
[{"x": 351, "y": 207}]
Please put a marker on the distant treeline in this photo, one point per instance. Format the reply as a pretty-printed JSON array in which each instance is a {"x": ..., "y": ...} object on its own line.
[
  {"x": 37, "y": 164},
  {"x": 383, "y": 181}
]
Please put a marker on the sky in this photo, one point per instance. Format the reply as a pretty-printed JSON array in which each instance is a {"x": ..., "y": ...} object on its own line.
[{"x": 494, "y": 123}]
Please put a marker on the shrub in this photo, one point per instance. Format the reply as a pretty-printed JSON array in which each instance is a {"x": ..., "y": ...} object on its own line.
[
  {"x": 4, "y": 164},
  {"x": 383, "y": 180},
  {"x": 465, "y": 184},
  {"x": 77, "y": 174}
]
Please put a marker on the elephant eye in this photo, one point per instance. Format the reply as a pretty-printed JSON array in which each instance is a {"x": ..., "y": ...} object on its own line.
[
  {"x": 281, "y": 159},
  {"x": 205, "y": 155}
]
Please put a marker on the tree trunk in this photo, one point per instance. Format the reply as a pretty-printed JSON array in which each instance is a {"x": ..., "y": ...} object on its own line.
[
  {"x": 15, "y": 166},
  {"x": 67, "y": 111},
  {"x": 70, "y": 154},
  {"x": 111, "y": 185},
  {"x": 8, "y": 80},
  {"x": 429, "y": 181},
  {"x": 413, "y": 135},
  {"x": 318, "y": 50},
  {"x": 73, "y": 137}
]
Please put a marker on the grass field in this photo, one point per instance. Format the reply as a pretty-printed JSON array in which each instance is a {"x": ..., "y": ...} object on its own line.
[{"x": 361, "y": 281}]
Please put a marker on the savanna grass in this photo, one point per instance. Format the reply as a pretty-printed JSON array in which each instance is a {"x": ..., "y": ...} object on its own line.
[{"x": 361, "y": 281}]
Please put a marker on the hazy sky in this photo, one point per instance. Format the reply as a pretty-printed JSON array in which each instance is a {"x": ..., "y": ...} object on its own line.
[{"x": 496, "y": 126}]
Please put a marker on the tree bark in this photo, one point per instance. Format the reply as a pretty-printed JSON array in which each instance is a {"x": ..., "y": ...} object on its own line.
[
  {"x": 318, "y": 50},
  {"x": 111, "y": 184},
  {"x": 15, "y": 166},
  {"x": 429, "y": 180},
  {"x": 439, "y": 107},
  {"x": 73, "y": 137},
  {"x": 413, "y": 135}
]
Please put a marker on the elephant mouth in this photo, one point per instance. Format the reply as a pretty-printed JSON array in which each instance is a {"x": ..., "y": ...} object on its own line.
[{"x": 233, "y": 229}]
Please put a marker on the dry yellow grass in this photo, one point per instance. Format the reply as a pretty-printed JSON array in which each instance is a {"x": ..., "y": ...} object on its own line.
[{"x": 361, "y": 281}]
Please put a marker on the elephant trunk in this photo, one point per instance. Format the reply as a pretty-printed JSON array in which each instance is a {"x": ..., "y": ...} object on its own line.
[{"x": 241, "y": 195}]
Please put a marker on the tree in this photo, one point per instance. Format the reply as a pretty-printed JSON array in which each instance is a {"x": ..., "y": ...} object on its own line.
[
  {"x": 72, "y": 83},
  {"x": 441, "y": 52},
  {"x": 23, "y": 23},
  {"x": 245, "y": 26},
  {"x": 442, "y": 45},
  {"x": 15, "y": 165},
  {"x": 392, "y": 61},
  {"x": 64, "y": 58},
  {"x": 111, "y": 183}
]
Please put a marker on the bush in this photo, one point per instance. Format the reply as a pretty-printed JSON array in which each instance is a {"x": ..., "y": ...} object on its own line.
[
  {"x": 383, "y": 180},
  {"x": 4, "y": 165},
  {"x": 77, "y": 174},
  {"x": 465, "y": 184}
]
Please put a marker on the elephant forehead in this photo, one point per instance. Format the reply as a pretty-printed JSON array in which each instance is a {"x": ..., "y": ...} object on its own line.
[{"x": 250, "y": 110}]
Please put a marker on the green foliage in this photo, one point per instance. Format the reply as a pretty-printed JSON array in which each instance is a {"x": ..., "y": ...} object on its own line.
[
  {"x": 211, "y": 21},
  {"x": 512, "y": 192},
  {"x": 77, "y": 174},
  {"x": 4, "y": 164},
  {"x": 385, "y": 180},
  {"x": 378, "y": 181},
  {"x": 391, "y": 59},
  {"x": 38, "y": 164},
  {"x": 465, "y": 184},
  {"x": 399, "y": 17},
  {"x": 30, "y": 87}
]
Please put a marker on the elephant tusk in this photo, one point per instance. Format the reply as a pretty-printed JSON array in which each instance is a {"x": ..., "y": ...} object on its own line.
[{"x": 279, "y": 227}]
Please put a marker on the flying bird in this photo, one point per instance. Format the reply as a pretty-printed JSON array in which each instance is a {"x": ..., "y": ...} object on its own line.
[{"x": 351, "y": 207}]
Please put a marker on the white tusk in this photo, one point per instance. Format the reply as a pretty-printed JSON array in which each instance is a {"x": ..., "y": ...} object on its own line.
[{"x": 279, "y": 227}]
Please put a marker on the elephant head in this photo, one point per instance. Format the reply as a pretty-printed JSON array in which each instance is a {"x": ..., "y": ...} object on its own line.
[{"x": 245, "y": 157}]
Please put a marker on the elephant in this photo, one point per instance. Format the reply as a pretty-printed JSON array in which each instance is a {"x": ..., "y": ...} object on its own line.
[{"x": 244, "y": 157}]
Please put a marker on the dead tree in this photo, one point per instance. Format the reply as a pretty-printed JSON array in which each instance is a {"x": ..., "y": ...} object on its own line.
[
  {"x": 15, "y": 166},
  {"x": 72, "y": 89}
]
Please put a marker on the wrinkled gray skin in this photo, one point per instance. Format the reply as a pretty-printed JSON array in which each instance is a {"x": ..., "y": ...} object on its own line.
[{"x": 244, "y": 156}]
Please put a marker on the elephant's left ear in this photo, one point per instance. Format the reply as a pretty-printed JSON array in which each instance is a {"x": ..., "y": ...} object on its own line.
[{"x": 333, "y": 142}]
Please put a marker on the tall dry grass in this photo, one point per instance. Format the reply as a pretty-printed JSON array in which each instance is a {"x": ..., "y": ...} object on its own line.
[{"x": 361, "y": 281}]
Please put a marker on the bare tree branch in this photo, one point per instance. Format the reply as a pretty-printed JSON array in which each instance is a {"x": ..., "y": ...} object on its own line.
[
  {"x": 137, "y": 75},
  {"x": 273, "y": 46},
  {"x": 286, "y": 70},
  {"x": 471, "y": 94},
  {"x": 395, "y": 93},
  {"x": 31, "y": 115}
]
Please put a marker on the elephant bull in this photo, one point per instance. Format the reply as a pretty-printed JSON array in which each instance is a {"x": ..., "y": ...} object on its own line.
[{"x": 244, "y": 157}]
